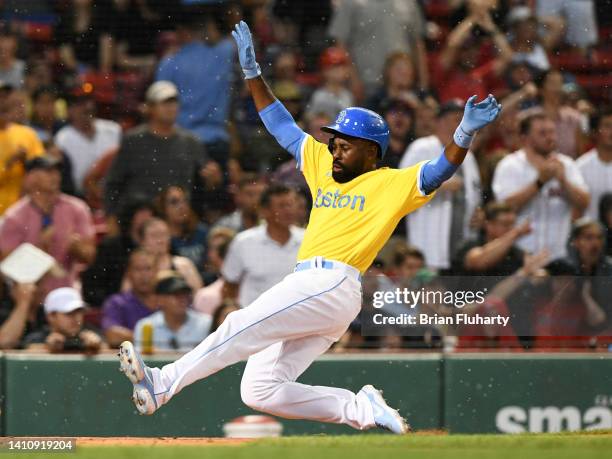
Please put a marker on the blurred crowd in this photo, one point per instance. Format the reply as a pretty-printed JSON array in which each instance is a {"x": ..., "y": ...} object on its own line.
[{"x": 131, "y": 152}]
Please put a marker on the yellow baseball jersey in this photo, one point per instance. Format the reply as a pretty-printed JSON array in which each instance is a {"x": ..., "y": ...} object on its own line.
[
  {"x": 350, "y": 222},
  {"x": 13, "y": 138}
]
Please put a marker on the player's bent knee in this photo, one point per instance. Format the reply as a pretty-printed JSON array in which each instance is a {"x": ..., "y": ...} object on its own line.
[{"x": 256, "y": 394}]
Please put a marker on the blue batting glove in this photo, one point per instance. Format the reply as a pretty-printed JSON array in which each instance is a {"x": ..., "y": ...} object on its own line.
[
  {"x": 475, "y": 117},
  {"x": 246, "y": 52}
]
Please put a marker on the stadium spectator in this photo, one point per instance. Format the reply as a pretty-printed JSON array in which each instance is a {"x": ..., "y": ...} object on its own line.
[
  {"x": 371, "y": 31},
  {"x": 567, "y": 312},
  {"x": 221, "y": 313},
  {"x": 605, "y": 218},
  {"x": 94, "y": 181},
  {"x": 246, "y": 198},
  {"x": 333, "y": 95},
  {"x": 261, "y": 256},
  {"x": 175, "y": 327},
  {"x": 18, "y": 144},
  {"x": 285, "y": 72},
  {"x": 568, "y": 121},
  {"x": 399, "y": 82},
  {"x": 12, "y": 70},
  {"x": 44, "y": 118},
  {"x": 407, "y": 262},
  {"x": 85, "y": 138},
  {"x": 103, "y": 278},
  {"x": 299, "y": 22},
  {"x": 494, "y": 253},
  {"x": 82, "y": 36},
  {"x": 122, "y": 310},
  {"x": 37, "y": 74},
  {"x": 65, "y": 312},
  {"x": 587, "y": 254},
  {"x": 19, "y": 102},
  {"x": 133, "y": 47},
  {"x": 400, "y": 116},
  {"x": 531, "y": 43},
  {"x": 544, "y": 187},
  {"x": 447, "y": 217},
  {"x": 507, "y": 297},
  {"x": 425, "y": 119},
  {"x": 209, "y": 298},
  {"x": 461, "y": 71},
  {"x": 155, "y": 239},
  {"x": 20, "y": 313},
  {"x": 201, "y": 70},
  {"x": 187, "y": 232},
  {"x": 577, "y": 17},
  {"x": 59, "y": 224},
  {"x": 596, "y": 164},
  {"x": 157, "y": 154}
]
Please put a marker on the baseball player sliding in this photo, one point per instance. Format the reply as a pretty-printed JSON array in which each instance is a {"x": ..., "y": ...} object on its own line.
[{"x": 356, "y": 207}]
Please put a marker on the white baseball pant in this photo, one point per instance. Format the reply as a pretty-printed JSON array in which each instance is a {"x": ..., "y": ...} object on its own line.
[{"x": 281, "y": 333}]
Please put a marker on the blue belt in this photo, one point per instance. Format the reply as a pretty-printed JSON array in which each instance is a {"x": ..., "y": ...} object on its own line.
[{"x": 321, "y": 263}]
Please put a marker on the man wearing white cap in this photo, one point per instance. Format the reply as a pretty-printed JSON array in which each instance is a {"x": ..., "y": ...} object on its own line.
[
  {"x": 64, "y": 309},
  {"x": 157, "y": 154}
]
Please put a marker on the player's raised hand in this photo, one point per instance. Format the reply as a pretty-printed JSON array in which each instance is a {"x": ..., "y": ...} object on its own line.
[
  {"x": 478, "y": 115},
  {"x": 246, "y": 51}
]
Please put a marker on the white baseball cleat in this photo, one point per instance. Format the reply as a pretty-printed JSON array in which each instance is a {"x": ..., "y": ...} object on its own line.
[
  {"x": 385, "y": 417},
  {"x": 140, "y": 376}
]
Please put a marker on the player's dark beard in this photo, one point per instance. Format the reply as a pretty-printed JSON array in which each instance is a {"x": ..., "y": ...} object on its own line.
[{"x": 346, "y": 174}]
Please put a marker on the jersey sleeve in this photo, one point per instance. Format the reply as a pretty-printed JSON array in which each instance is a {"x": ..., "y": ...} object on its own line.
[
  {"x": 314, "y": 161},
  {"x": 404, "y": 185}
]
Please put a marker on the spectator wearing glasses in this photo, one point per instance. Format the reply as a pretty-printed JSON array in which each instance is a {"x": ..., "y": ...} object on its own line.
[
  {"x": 187, "y": 232},
  {"x": 175, "y": 326}
]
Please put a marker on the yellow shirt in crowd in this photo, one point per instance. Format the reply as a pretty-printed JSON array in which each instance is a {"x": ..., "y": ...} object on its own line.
[
  {"x": 13, "y": 139},
  {"x": 350, "y": 222}
]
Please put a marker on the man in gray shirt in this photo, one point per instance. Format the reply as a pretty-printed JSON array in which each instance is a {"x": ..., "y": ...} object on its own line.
[
  {"x": 158, "y": 154},
  {"x": 370, "y": 30}
]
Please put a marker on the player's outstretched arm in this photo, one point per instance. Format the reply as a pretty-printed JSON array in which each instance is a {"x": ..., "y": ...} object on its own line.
[
  {"x": 276, "y": 118},
  {"x": 475, "y": 117}
]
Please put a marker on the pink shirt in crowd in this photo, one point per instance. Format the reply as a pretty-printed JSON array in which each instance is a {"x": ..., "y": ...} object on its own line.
[
  {"x": 23, "y": 223},
  {"x": 209, "y": 298}
]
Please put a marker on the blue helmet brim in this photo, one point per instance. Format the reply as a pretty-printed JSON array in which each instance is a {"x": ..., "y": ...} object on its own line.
[{"x": 336, "y": 129}]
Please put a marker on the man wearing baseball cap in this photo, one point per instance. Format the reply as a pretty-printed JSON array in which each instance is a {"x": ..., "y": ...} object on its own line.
[
  {"x": 64, "y": 309},
  {"x": 176, "y": 327},
  {"x": 157, "y": 154}
]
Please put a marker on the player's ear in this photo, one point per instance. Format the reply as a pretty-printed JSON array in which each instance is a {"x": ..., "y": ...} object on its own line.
[{"x": 373, "y": 151}]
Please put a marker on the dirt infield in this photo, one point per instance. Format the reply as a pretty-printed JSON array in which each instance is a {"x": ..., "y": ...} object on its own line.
[
  {"x": 187, "y": 441},
  {"x": 159, "y": 441}
]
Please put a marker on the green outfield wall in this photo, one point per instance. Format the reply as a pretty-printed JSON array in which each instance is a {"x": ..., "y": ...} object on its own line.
[{"x": 43, "y": 395}]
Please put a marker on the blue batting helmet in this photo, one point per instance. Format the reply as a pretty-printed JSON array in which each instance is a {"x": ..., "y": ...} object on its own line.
[{"x": 363, "y": 124}]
